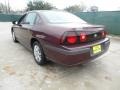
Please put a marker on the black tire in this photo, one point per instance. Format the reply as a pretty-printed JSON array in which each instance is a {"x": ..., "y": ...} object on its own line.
[
  {"x": 42, "y": 60},
  {"x": 14, "y": 37}
]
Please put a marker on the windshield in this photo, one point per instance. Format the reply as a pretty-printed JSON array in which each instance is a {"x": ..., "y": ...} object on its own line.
[{"x": 61, "y": 17}]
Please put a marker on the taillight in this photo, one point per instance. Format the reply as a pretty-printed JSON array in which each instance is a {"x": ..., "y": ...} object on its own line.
[
  {"x": 83, "y": 37},
  {"x": 71, "y": 39},
  {"x": 103, "y": 33}
]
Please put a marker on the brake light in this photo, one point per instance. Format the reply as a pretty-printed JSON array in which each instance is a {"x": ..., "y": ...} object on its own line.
[
  {"x": 83, "y": 37},
  {"x": 71, "y": 39}
]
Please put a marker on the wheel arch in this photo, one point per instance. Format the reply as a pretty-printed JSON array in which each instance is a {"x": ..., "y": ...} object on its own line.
[{"x": 32, "y": 41}]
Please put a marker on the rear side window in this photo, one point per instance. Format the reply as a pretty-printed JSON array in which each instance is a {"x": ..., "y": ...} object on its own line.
[{"x": 30, "y": 18}]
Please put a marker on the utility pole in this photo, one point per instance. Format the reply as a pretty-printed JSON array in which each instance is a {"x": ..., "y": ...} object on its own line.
[
  {"x": 8, "y": 7},
  {"x": 5, "y": 7}
]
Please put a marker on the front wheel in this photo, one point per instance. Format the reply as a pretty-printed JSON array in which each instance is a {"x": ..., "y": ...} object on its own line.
[{"x": 38, "y": 54}]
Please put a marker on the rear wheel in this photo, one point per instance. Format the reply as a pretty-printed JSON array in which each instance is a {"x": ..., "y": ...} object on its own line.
[
  {"x": 14, "y": 37},
  {"x": 38, "y": 54}
]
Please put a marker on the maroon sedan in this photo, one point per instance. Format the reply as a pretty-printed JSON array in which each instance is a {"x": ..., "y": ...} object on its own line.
[{"x": 60, "y": 36}]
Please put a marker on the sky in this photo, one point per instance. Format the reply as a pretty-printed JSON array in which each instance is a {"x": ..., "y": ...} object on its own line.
[{"x": 103, "y": 5}]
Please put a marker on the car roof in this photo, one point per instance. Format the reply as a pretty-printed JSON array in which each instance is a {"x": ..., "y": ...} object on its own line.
[
  {"x": 40, "y": 11},
  {"x": 41, "y": 14}
]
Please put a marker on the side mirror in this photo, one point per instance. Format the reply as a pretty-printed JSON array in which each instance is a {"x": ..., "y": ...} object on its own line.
[{"x": 14, "y": 22}]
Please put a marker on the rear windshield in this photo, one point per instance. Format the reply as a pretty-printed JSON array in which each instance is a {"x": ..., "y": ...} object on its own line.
[{"x": 61, "y": 17}]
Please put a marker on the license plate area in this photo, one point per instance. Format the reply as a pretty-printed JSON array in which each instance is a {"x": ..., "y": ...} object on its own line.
[{"x": 96, "y": 49}]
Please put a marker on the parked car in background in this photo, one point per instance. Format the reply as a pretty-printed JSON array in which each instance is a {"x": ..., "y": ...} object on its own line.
[{"x": 60, "y": 36}]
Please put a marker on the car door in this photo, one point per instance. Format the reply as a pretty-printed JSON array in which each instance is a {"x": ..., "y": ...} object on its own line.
[
  {"x": 26, "y": 28},
  {"x": 17, "y": 28}
]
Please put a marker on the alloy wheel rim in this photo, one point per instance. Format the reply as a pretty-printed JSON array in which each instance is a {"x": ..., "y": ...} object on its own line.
[{"x": 37, "y": 53}]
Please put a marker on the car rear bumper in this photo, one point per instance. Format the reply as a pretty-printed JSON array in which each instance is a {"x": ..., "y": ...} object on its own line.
[{"x": 75, "y": 55}]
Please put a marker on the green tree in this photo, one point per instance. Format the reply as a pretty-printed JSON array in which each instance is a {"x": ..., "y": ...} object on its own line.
[
  {"x": 39, "y": 5},
  {"x": 75, "y": 8}
]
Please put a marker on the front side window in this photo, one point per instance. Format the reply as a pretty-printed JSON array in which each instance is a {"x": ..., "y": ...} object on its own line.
[
  {"x": 61, "y": 17},
  {"x": 22, "y": 19},
  {"x": 30, "y": 18}
]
